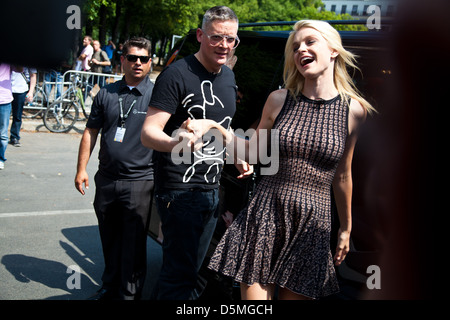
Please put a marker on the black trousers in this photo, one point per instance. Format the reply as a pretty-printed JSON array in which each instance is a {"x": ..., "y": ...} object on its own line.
[{"x": 122, "y": 208}]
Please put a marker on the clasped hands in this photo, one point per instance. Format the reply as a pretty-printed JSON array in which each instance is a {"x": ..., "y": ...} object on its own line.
[{"x": 192, "y": 131}]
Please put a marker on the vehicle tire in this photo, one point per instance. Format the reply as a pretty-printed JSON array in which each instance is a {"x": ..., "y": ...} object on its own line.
[{"x": 61, "y": 116}]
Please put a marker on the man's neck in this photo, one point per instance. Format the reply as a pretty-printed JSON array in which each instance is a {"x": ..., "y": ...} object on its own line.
[
  {"x": 214, "y": 70},
  {"x": 132, "y": 82}
]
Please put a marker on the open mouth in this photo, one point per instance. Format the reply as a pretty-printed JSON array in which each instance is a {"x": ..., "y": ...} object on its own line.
[
  {"x": 306, "y": 60},
  {"x": 221, "y": 53}
]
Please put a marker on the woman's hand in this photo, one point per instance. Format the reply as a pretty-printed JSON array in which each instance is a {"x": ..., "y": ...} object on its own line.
[
  {"x": 245, "y": 169},
  {"x": 343, "y": 247}
]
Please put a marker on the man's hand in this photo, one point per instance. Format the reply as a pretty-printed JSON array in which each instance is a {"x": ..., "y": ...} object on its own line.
[
  {"x": 80, "y": 179},
  {"x": 187, "y": 137},
  {"x": 227, "y": 218}
]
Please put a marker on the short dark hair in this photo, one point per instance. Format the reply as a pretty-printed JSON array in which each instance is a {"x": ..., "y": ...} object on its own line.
[
  {"x": 222, "y": 13},
  {"x": 139, "y": 42}
]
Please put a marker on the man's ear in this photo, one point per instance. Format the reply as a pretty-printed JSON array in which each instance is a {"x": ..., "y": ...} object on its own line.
[{"x": 199, "y": 35}]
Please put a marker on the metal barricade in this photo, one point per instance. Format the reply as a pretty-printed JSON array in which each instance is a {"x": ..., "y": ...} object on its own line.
[
  {"x": 91, "y": 83},
  {"x": 50, "y": 85}
]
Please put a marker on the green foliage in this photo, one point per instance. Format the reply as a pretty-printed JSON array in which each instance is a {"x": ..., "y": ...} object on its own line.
[
  {"x": 91, "y": 7},
  {"x": 159, "y": 19}
]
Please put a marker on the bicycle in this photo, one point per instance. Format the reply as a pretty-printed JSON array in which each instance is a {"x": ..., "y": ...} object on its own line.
[
  {"x": 38, "y": 105},
  {"x": 43, "y": 94},
  {"x": 62, "y": 114}
]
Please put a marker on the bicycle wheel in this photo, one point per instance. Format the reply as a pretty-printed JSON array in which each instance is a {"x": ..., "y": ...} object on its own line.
[{"x": 61, "y": 116}]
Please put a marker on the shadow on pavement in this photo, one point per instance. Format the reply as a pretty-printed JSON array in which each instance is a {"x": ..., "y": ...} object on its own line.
[
  {"x": 83, "y": 247},
  {"x": 50, "y": 273}
]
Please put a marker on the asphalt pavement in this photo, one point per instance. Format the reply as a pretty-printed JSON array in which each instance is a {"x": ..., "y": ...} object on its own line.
[{"x": 49, "y": 241}]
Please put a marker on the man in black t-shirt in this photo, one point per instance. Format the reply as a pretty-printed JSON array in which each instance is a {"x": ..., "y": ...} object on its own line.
[
  {"x": 199, "y": 86},
  {"x": 124, "y": 181},
  {"x": 204, "y": 95}
]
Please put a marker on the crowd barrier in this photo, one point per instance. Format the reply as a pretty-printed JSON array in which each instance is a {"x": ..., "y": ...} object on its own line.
[{"x": 50, "y": 85}]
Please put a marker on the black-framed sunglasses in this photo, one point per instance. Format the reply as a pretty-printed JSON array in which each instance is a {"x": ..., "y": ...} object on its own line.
[{"x": 133, "y": 58}]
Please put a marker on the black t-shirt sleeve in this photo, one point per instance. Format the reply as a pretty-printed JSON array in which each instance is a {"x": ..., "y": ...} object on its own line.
[{"x": 168, "y": 90}]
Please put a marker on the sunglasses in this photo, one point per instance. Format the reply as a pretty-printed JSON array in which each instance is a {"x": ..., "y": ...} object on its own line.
[{"x": 133, "y": 58}]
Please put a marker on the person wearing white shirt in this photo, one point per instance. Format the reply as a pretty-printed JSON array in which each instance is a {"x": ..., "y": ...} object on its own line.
[
  {"x": 23, "y": 84},
  {"x": 86, "y": 55}
]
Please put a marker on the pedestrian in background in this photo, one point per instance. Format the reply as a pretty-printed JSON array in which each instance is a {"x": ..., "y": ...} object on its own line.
[
  {"x": 98, "y": 62},
  {"x": 5, "y": 107},
  {"x": 110, "y": 48},
  {"x": 85, "y": 55},
  {"x": 23, "y": 85},
  {"x": 116, "y": 59},
  {"x": 124, "y": 180},
  {"x": 99, "y": 58}
]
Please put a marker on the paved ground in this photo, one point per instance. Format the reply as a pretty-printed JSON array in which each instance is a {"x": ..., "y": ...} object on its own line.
[{"x": 46, "y": 226}]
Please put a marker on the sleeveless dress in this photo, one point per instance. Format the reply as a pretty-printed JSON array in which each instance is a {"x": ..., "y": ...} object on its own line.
[{"x": 283, "y": 236}]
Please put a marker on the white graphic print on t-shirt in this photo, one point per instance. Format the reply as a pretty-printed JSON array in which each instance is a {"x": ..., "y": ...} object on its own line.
[{"x": 213, "y": 151}]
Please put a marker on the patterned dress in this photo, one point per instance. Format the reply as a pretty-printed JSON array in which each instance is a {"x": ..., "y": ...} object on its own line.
[{"x": 283, "y": 237}]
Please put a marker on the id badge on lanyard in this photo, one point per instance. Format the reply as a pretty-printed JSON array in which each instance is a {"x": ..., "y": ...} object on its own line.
[{"x": 120, "y": 132}]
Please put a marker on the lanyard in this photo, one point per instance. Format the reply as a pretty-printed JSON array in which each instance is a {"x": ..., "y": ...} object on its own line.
[{"x": 122, "y": 116}]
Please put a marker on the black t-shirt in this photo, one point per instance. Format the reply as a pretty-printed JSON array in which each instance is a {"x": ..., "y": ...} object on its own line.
[
  {"x": 187, "y": 90},
  {"x": 129, "y": 159}
]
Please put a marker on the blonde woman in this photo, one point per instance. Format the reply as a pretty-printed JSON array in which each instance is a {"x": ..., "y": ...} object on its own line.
[{"x": 283, "y": 237}]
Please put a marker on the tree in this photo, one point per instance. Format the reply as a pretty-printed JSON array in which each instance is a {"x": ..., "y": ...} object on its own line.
[{"x": 158, "y": 20}]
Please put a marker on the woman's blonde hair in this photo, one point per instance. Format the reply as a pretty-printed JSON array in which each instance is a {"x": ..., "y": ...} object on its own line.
[{"x": 293, "y": 79}]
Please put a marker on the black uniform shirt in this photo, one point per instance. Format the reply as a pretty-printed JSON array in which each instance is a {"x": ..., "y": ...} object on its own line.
[{"x": 128, "y": 159}]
